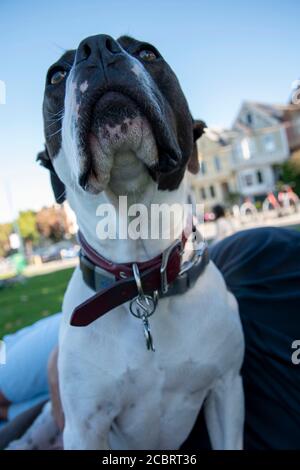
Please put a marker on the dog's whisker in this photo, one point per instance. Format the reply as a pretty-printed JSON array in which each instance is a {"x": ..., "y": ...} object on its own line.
[
  {"x": 49, "y": 136},
  {"x": 58, "y": 116},
  {"x": 55, "y": 121},
  {"x": 68, "y": 64},
  {"x": 61, "y": 111},
  {"x": 61, "y": 48},
  {"x": 62, "y": 194}
]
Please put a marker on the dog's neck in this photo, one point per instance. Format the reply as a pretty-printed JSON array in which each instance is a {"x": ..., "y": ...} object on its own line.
[{"x": 86, "y": 207}]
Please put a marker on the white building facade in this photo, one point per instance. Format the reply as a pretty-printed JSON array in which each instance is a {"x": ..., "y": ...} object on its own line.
[{"x": 263, "y": 144}]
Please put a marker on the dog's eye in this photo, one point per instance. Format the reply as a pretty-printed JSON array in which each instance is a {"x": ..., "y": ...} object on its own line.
[
  {"x": 57, "y": 76},
  {"x": 147, "y": 55}
]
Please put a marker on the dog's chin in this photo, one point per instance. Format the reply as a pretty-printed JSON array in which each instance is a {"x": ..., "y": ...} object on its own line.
[
  {"x": 122, "y": 172},
  {"x": 121, "y": 152}
]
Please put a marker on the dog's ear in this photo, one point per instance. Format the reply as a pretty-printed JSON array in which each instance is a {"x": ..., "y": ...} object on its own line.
[
  {"x": 44, "y": 159},
  {"x": 58, "y": 186},
  {"x": 193, "y": 163}
]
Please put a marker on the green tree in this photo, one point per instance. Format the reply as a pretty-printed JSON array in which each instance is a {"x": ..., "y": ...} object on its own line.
[
  {"x": 233, "y": 198},
  {"x": 28, "y": 227},
  {"x": 290, "y": 172},
  {"x": 5, "y": 231},
  {"x": 52, "y": 223}
]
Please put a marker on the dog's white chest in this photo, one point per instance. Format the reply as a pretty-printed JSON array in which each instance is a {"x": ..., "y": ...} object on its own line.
[
  {"x": 112, "y": 385},
  {"x": 160, "y": 408}
]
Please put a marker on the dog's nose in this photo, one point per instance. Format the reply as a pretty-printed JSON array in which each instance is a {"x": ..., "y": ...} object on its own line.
[
  {"x": 95, "y": 47},
  {"x": 108, "y": 43}
]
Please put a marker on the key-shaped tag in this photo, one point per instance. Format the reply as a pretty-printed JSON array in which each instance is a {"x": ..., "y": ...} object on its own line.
[
  {"x": 145, "y": 303},
  {"x": 148, "y": 335}
]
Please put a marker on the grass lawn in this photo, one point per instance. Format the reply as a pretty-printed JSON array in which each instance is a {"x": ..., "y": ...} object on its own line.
[{"x": 38, "y": 297}]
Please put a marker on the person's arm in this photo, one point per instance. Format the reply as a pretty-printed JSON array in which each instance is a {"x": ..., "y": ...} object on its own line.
[{"x": 57, "y": 410}]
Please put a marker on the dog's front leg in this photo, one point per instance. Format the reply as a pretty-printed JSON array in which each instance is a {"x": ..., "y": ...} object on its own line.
[
  {"x": 79, "y": 438},
  {"x": 88, "y": 430},
  {"x": 224, "y": 413},
  {"x": 90, "y": 399}
]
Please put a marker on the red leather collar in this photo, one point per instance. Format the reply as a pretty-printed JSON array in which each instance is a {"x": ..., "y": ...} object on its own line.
[
  {"x": 124, "y": 288},
  {"x": 119, "y": 270}
]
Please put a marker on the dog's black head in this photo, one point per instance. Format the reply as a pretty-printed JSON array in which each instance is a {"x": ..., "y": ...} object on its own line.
[{"x": 111, "y": 98}]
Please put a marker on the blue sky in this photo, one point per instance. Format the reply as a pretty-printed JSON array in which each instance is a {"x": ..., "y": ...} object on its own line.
[{"x": 222, "y": 52}]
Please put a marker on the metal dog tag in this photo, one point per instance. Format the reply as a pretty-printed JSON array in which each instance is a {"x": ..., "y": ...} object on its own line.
[
  {"x": 143, "y": 308},
  {"x": 144, "y": 304}
]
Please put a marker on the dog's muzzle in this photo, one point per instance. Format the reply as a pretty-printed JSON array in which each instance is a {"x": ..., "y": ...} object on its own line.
[{"x": 116, "y": 110}]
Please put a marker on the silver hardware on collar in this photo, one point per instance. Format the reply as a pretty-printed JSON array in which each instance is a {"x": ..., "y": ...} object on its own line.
[
  {"x": 148, "y": 335},
  {"x": 143, "y": 306},
  {"x": 196, "y": 257},
  {"x": 198, "y": 250},
  {"x": 164, "y": 265}
]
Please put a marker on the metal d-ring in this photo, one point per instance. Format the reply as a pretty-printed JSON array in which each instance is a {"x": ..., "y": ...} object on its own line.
[
  {"x": 146, "y": 303},
  {"x": 137, "y": 277}
]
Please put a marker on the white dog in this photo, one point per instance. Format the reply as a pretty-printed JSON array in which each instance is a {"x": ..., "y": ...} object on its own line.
[{"x": 117, "y": 124}]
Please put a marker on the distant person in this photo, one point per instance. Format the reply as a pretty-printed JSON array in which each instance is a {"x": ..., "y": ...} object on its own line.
[{"x": 223, "y": 226}]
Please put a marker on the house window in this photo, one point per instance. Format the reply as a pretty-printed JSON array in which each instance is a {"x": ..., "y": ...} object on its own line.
[
  {"x": 245, "y": 149},
  {"x": 217, "y": 163},
  {"x": 248, "y": 148},
  {"x": 269, "y": 143},
  {"x": 212, "y": 191},
  {"x": 249, "y": 119},
  {"x": 203, "y": 167},
  {"x": 259, "y": 177},
  {"x": 203, "y": 193},
  {"x": 248, "y": 179}
]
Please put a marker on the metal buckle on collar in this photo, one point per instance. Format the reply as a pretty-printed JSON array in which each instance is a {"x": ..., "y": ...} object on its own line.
[
  {"x": 164, "y": 265},
  {"x": 196, "y": 257}
]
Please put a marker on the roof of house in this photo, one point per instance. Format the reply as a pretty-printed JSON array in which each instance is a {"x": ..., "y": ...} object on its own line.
[
  {"x": 220, "y": 134},
  {"x": 277, "y": 109},
  {"x": 280, "y": 112}
]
